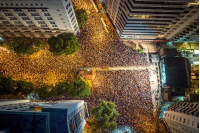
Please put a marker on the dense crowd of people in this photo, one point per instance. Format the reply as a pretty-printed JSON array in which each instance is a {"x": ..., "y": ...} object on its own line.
[{"x": 130, "y": 90}]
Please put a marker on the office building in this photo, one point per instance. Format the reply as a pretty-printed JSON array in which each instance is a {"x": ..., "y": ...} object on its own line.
[
  {"x": 37, "y": 18},
  {"x": 56, "y": 117},
  {"x": 183, "y": 117},
  {"x": 155, "y": 20}
]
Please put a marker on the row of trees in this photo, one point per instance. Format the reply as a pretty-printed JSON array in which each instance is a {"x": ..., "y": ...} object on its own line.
[
  {"x": 65, "y": 43},
  {"x": 9, "y": 86},
  {"x": 77, "y": 88}
]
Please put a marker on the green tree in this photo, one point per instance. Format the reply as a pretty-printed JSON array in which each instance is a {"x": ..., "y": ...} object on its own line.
[
  {"x": 65, "y": 43},
  {"x": 79, "y": 88},
  {"x": 140, "y": 50},
  {"x": 45, "y": 91},
  {"x": 7, "y": 85},
  {"x": 24, "y": 87},
  {"x": 82, "y": 17},
  {"x": 104, "y": 116},
  {"x": 62, "y": 88},
  {"x": 25, "y": 45},
  {"x": 88, "y": 83}
]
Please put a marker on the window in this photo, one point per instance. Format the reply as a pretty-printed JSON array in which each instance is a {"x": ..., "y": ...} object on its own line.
[
  {"x": 17, "y": 10},
  {"x": 51, "y": 22},
  {"x": 58, "y": 10},
  {"x": 8, "y": 14},
  {"x": 35, "y": 29},
  {"x": 73, "y": 19},
  {"x": 25, "y": 18},
  {"x": 4, "y": 10},
  {"x": 43, "y": 25},
  {"x": 180, "y": 119},
  {"x": 44, "y": 10},
  {"x": 165, "y": 114},
  {"x": 60, "y": 14},
  {"x": 41, "y": 22},
  {"x": 38, "y": 18},
  {"x": 71, "y": 15},
  {"x": 192, "y": 123},
  {"x": 35, "y": 14},
  {"x": 49, "y": 18},
  {"x": 197, "y": 124},
  {"x": 69, "y": 10},
  {"x": 173, "y": 117},
  {"x": 31, "y": 10},
  {"x": 47, "y": 14},
  {"x": 170, "y": 116},
  {"x": 21, "y": 14},
  {"x": 184, "y": 120},
  {"x": 24, "y": 28},
  {"x": 13, "y": 18},
  {"x": 177, "y": 118},
  {"x": 68, "y": 5},
  {"x": 188, "y": 122}
]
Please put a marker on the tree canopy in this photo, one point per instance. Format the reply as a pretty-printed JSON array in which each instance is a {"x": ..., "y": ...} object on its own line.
[
  {"x": 140, "y": 50},
  {"x": 81, "y": 16},
  {"x": 104, "y": 116},
  {"x": 24, "y": 87},
  {"x": 88, "y": 83},
  {"x": 6, "y": 85},
  {"x": 10, "y": 86},
  {"x": 62, "y": 88},
  {"x": 79, "y": 88},
  {"x": 65, "y": 43},
  {"x": 46, "y": 90},
  {"x": 23, "y": 45}
]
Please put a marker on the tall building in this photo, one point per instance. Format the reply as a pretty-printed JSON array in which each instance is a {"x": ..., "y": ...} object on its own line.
[
  {"x": 183, "y": 117},
  {"x": 23, "y": 116},
  {"x": 37, "y": 18},
  {"x": 155, "y": 20}
]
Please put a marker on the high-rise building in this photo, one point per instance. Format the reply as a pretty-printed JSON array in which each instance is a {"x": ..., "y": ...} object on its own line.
[
  {"x": 23, "y": 116},
  {"x": 37, "y": 18},
  {"x": 183, "y": 117},
  {"x": 155, "y": 20}
]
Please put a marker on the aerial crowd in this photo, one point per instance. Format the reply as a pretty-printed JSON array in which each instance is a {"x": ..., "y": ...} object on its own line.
[{"x": 129, "y": 90}]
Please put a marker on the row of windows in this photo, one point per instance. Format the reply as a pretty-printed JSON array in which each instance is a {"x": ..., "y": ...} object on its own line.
[
  {"x": 25, "y": 29},
  {"x": 178, "y": 131},
  {"x": 8, "y": 14},
  {"x": 182, "y": 120},
  {"x": 76, "y": 121},
  {"x": 21, "y": 14},
  {"x": 38, "y": 18},
  {"x": 35, "y": 14},
  {"x": 16, "y": 4},
  {"x": 68, "y": 5},
  {"x": 25, "y": 18}
]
